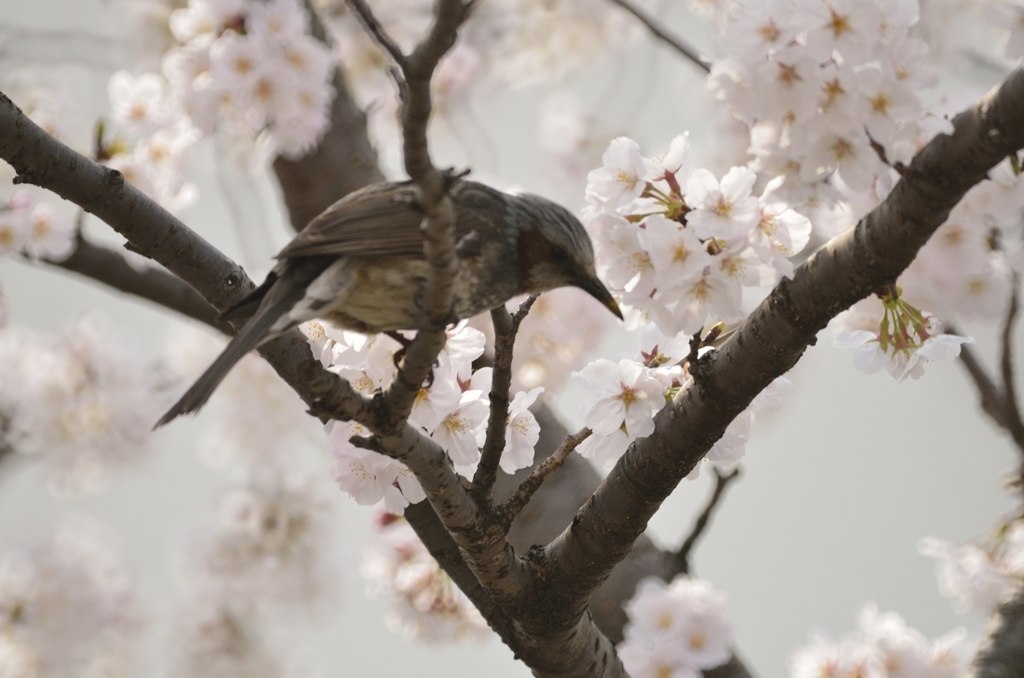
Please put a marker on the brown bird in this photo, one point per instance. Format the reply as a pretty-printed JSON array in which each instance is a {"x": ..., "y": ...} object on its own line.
[{"x": 360, "y": 265}]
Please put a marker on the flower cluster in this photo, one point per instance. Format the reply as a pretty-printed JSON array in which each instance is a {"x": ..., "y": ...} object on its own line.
[
  {"x": 622, "y": 398},
  {"x": 215, "y": 638},
  {"x": 34, "y": 230},
  {"x": 980, "y": 577},
  {"x": 903, "y": 343},
  {"x": 426, "y": 604},
  {"x": 884, "y": 646},
  {"x": 250, "y": 66},
  {"x": 67, "y": 608},
  {"x": 268, "y": 546},
  {"x": 452, "y": 409},
  {"x": 676, "y": 247},
  {"x": 842, "y": 72},
  {"x": 153, "y": 140},
  {"x": 676, "y": 629},
  {"x": 82, "y": 403},
  {"x": 268, "y": 554}
]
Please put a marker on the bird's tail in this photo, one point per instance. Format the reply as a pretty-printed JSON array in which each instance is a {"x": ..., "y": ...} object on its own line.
[{"x": 279, "y": 302}]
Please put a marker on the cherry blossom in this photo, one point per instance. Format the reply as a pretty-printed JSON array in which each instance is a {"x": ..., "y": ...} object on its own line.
[
  {"x": 521, "y": 433},
  {"x": 680, "y": 627}
]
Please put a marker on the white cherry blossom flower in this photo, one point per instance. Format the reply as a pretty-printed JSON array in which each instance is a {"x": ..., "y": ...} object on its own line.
[
  {"x": 620, "y": 395},
  {"x": 521, "y": 433},
  {"x": 676, "y": 252},
  {"x": 723, "y": 210},
  {"x": 621, "y": 180},
  {"x": 460, "y": 433},
  {"x": 52, "y": 237},
  {"x": 369, "y": 476},
  {"x": 138, "y": 103}
]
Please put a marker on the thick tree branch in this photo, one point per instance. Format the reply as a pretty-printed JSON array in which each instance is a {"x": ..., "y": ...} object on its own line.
[
  {"x": 776, "y": 334},
  {"x": 1002, "y": 650},
  {"x": 110, "y": 267},
  {"x": 41, "y": 160},
  {"x": 662, "y": 33}
]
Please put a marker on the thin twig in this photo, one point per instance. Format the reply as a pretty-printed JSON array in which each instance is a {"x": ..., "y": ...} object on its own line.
[
  {"x": 506, "y": 327},
  {"x": 991, "y": 398},
  {"x": 375, "y": 29},
  {"x": 663, "y": 33},
  {"x": 1006, "y": 357},
  {"x": 682, "y": 556},
  {"x": 511, "y": 508}
]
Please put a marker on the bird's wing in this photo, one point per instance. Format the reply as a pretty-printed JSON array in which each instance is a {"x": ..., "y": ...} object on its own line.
[{"x": 383, "y": 220}]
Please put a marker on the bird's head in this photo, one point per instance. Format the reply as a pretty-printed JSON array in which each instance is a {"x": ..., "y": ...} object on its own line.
[{"x": 554, "y": 250}]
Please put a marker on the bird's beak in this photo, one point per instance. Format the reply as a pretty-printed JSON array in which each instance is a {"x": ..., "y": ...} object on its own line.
[{"x": 596, "y": 289}]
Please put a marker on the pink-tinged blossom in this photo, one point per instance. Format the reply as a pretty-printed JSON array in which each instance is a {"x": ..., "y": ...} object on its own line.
[
  {"x": 690, "y": 306},
  {"x": 723, "y": 210},
  {"x": 275, "y": 19},
  {"x": 619, "y": 406},
  {"x": 521, "y": 433},
  {"x": 787, "y": 85},
  {"x": 369, "y": 476},
  {"x": 426, "y": 605},
  {"x": 828, "y": 148},
  {"x": 621, "y": 180}
]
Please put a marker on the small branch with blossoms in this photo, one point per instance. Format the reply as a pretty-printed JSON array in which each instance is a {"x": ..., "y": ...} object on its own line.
[
  {"x": 850, "y": 267},
  {"x": 506, "y": 328},
  {"x": 508, "y": 511}
]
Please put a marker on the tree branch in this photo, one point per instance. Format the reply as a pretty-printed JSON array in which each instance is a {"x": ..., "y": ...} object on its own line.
[
  {"x": 511, "y": 508},
  {"x": 506, "y": 327},
  {"x": 1002, "y": 650},
  {"x": 775, "y": 336},
  {"x": 662, "y": 33},
  {"x": 682, "y": 556},
  {"x": 110, "y": 267}
]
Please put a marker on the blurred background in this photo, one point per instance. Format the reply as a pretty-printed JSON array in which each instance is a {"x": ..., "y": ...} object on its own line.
[{"x": 838, "y": 487}]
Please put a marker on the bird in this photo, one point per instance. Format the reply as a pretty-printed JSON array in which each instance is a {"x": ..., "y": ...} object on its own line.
[{"x": 360, "y": 265}]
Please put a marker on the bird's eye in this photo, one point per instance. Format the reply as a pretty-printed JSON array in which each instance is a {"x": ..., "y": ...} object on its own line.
[{"x": 558, "y": 255}]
